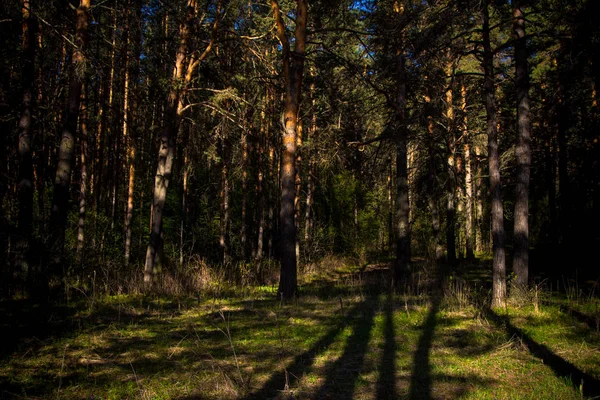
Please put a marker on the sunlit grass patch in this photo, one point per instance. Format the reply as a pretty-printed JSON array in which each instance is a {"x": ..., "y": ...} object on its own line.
[{"x": 348, "y": 338}]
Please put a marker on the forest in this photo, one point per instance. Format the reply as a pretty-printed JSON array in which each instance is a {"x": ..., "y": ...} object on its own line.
[{"x": 299, "y": 199}]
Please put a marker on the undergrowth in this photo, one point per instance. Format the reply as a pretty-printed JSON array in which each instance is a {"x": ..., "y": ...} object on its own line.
[{"x": 346, "y": 336}]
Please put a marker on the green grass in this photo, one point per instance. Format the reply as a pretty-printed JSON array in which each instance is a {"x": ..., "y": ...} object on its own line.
[{"x": 344, "y": 338}]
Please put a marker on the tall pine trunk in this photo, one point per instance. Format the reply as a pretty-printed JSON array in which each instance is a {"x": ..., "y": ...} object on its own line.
[
  {"x": 498, "y": 265},
  {"x": 522, "y": 151},
  {"x": 451, "y": 182},
  {"x": 468, "y": 178},
  {"x": 83, "y": 148},
  {"x": 293, "y": 69},
  {"x": 182, "y": 75},
  {"x": 401, "y": 263},
  {"x": 25, "y": 177},
  {"x": 66, "y": 152}
]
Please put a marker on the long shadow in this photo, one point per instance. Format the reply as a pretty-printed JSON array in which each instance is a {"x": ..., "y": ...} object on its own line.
[
  {"x": 592, "y": 321},
  {"x": 303, "y": 362},
  {"x": 560, "y": 366},
  {"x": 342, "y": 375},
  {"x": 421, "y": 381},
  {"x": 386, "y": 385}
]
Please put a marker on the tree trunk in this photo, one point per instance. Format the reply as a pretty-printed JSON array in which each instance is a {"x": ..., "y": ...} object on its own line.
[
  {"x": 499, "y": 267},
  {"x": 293, "y": 68},
  {"x": 130, "y": 105},
  {"x": 468, "y": 179},
  {"x": 173, "y": 110},
  {"x": 84, "y": 179},
  {"x": 478, "y": 183},
  {"x": 244, "y": 228},
  {"x": 224, "y": 242},
  {"x": 25, "y": 178},
  {"x": 522, "y": 151},
  {"x": 432, "y": 199},
  {"x": 451, "y": 183},
  {"x": 401, "y": 264},
  {"x": 66, "y": 150},
  {"x": 312, "y": 130},
  {"x": 298, "y": 183},
  {"x": 166, "y": 150}
]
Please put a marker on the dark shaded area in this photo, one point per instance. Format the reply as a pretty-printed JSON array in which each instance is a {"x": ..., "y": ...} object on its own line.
[
  {"x": 421, "y": 380},
  {"x": 592, "y": 321},
  {"x": 342, "y": 375},
  {"x": 386, "y": 385},
  {"x": 560, "y": 366}
]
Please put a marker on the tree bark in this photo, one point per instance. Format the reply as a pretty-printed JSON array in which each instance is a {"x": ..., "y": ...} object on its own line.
[
  {"x": 432, "y": 200},
  {"x": 403, "y": 256},
  {"x": 25, "y": 178},
  {"x": 83, "y": 126},
  {"x": 499, "y": 267},
  {"x": 66, "y": 150},
  {"x": 224, "y": 242},
  {"x": 468, "y": 179},
  {"x": 293, "y": 68},
  {"x": 522, "y": 150},
  {"x": 451, "y": 183},
  {"x": 181, "y": 77}
]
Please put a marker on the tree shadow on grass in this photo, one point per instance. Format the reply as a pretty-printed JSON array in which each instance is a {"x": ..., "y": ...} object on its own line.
[
  {"x": 560, "y": 366},
  {"x": 421, "y": 380},
  {"x": 386, "y": 385},
  {"x": 303, "y": 362},
  {"x": 342, "y": 374}
]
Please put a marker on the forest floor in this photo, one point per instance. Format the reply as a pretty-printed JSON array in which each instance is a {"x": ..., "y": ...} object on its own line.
[{"x": 346, "y": 337}]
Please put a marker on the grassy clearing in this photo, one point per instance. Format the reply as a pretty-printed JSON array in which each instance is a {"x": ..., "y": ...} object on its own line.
[{"x": 344, "y": 338}]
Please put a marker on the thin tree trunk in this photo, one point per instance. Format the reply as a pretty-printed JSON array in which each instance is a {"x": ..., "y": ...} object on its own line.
[
  {"x": 224, "y": 223},
  {"x": 260, "y": 189},
  {"x": 130, "y": 104},
  {"x": 173, "y": 111},
  {"x": 468, "y": 179},
  {"x": 432, "y": 183},
  {"x": 184, "y": 211},
  {"x": 451, "y": 183},
  {"x": 110, "y": 125},
  {"x": 522, "y": 151},
  {"x": 499, "y": 267},
  {"x": 308, "y": 215},
  {"x": 401, "y": 264},
  {"x": 298, "y": 183},
  {"x": 478, "y": 183},
  {"x": 84, "y": 179},
  {"x": 244, "y": 227},
  {"x": 25, "y": 178},
  {"x": 67, "y": 144},
  {"x": 293, "y": 68}
]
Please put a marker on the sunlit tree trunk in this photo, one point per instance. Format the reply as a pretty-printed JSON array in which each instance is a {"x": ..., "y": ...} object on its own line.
[
  {"x": 468, "y": 179},
  {"x": 25, "y": 177},
  {"x": 312, "y": 130},
  {"x": 166, "y": 152},
  {"x": 66, "y": 152},
  {"x": 130, "y": 104},
  {"x": 522, "y": 150},
  {"x": 83, "y": 127},
  {"x": 432, "y": 199},
  {"x": 499, "y": 267},
  {"x": 451, "y": 183},
  {"x": 298, "y": 183},
  {"x": 293, "y": 68},
  {"x": 224, "y": 242},
  {"x": 182, "y": 75},
  {"x": 244, "y": 226}
]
